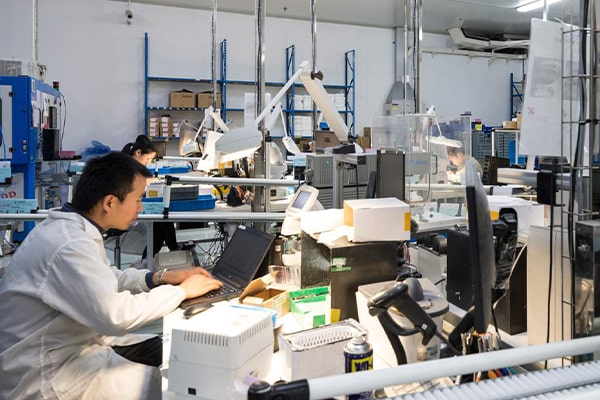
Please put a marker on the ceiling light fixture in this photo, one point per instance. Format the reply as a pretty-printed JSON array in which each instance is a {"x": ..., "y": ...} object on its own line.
[{"x": 535, "y": 5}]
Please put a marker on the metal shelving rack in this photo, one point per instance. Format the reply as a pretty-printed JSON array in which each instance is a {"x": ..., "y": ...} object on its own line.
[
  {"x": 147, "y": 81},
  {"x": 580, "y": 123},
  {"x": 349, "y": 75},
  {"x": 516, "y": 96},
  {"x": 348, "y": 87}
]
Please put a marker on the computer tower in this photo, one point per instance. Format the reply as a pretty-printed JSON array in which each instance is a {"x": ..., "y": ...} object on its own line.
[
  {"x": 459, "y": 286},
  {"x": 511, "y": 309},
  {"x": 586, "y": 278}
]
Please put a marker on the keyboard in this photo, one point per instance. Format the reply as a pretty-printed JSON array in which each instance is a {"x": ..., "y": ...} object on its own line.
[{"x": 226, "y": 289}]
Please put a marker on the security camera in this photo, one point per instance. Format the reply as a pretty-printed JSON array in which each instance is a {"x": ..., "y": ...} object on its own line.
[{"x": 129, "y": 15}]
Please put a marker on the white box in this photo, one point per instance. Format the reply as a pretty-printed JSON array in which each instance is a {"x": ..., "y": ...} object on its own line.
[
  {"x": 528, "y": 212},
  {"x": 384, "y": 219}
]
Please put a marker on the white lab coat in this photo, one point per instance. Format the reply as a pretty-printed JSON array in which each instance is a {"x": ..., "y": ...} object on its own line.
[{"x": 59, "y": 300}]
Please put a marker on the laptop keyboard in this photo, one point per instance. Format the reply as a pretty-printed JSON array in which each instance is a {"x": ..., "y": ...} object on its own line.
[{"x": 227, "y": 288}]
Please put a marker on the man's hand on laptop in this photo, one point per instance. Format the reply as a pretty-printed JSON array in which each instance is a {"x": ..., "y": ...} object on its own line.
[
  {"x": 198, "y": 285},
  {"x": 195, "y": 281},
  {"x": 178, "y": 275}
]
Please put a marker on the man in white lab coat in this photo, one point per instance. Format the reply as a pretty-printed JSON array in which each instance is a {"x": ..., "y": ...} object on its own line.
[{"x": 60, "y": 299}]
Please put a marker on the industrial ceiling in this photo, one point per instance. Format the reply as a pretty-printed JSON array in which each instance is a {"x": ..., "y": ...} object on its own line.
[{"x": 495, "y": 19}]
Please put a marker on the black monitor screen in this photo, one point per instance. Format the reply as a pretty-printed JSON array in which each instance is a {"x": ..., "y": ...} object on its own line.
[
  {"x": 244, "y": 253},
  {"x": 390, "y": 174},
  {"x": 301, "y": 199},
  {"x": 481, "y": 237}
]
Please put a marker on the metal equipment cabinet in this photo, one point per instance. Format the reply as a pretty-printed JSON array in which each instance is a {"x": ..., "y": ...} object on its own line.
[{"x": 29, "y": 109}]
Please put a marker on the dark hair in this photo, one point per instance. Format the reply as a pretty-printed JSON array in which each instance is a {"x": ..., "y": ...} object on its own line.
[
  {"x": 113, "y": 174},
  {"x": 142, "y": 143},
  {"x": 452, "y": 151}
]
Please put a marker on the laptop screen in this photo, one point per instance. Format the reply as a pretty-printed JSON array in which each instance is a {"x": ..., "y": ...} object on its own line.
[{"x": 243, "y": 254}]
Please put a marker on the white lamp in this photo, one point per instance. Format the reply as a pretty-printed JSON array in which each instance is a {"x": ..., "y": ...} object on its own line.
[
  {"x": 187, "y": 145},
  {"x": 238, "y": 143}
]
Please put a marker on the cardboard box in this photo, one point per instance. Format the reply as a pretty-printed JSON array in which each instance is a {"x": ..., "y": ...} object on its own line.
[
  {"x": 182, "y": 99},
  {"x": 509, "y": 124},
  {"x": 310, "y": 307},
  {"x": 364, "y": 142},
  {"x": 519, "y": 118},
  {"x": 384, "y": 219},
  {"x": 257, "y": 293},
  {"x": 204, "y": 100},
  {"x": 367, "y": 132}
]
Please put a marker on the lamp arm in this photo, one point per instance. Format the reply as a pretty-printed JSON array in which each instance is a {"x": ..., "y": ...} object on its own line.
[
  {"x": 281, "y": 93},
  {"x": 217, "y": 118}
]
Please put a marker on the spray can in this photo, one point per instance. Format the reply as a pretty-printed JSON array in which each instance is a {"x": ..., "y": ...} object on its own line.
[{"x": 358, "y": 356}]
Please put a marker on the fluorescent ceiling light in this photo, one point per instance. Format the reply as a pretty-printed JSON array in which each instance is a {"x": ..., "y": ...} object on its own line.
[{"x": 535, "y": 5}]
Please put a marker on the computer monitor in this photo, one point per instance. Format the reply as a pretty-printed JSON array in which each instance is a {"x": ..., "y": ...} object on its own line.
[
  {"x": 490, "y": 169},
  {"x": 481, "y": 247},
  {"x": 304, "y": 199},
  {"x": 389, "y": 180}
]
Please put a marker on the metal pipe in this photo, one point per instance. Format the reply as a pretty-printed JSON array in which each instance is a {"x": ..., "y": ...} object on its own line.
[
  {"x": 259, "y": 203},
  {"x": 234, "y": 181},
  {"x": 417, "y": 53},
  {"x": 214, "y": 56},
  {"x": 34, "y": 50},
  {"x": 313, "y": 35},
  {"x": 405, "y": 68},
  {"x": 326, "y": 387}
]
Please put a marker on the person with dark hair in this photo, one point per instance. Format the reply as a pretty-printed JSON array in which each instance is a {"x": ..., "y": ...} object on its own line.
[
  {"x": 144, "y": 151},
  {"x": 457, "y": 157},
  {"x": 63, "y": 305}
]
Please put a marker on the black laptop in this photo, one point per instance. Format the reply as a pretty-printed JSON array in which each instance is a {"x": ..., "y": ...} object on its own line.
[{"x": 237, "y": 265}]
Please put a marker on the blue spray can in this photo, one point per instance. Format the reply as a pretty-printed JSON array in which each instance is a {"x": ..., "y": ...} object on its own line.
[{"x": 358, "y": 356}]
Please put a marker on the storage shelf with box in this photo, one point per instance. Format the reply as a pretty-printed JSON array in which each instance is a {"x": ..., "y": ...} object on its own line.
[
  {"x": 343, "y": 102},
  {"x": 187, "y": 98}
]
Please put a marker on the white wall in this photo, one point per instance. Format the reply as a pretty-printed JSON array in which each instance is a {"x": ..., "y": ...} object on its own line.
[
  {"x": 457, "y": 83},
  {"x": 99, "y": 61}
]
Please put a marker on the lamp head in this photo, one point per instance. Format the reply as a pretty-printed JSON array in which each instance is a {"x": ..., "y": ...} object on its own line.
[{"x": 238, "y": 143}]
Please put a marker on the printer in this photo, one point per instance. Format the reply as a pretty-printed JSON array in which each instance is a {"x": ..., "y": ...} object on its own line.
[{"x": 219, "y": 349}]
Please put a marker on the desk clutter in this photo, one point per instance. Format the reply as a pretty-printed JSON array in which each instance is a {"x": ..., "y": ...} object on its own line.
[{"x": 274, "y": 334}]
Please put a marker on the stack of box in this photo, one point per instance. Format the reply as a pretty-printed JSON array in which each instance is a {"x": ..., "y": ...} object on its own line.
[
  {"x": 303, "y": 102},
  {"x": 302, "y": 126},
  {"x": 364, "y": 141},
  {"x": 339, "y": 101},
  {"x": 153, "y": 127},
  {"x": 165, "y": 126}
]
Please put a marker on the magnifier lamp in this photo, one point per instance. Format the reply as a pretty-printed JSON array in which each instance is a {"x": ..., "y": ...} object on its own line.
[
  {"x": 440, "y": 139},
  {"x": 189, "y": 145}
]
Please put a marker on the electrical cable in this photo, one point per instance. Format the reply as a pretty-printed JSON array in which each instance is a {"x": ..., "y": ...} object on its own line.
[
  {"x": 3, "y": 142},
  {"x": 64, "y": 122},
  {"x": 550, "y": 270},
  {"x": 356, "y": 182}
]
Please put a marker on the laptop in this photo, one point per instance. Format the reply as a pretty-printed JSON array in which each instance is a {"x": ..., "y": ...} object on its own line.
[{"x": 237, "y": 265}]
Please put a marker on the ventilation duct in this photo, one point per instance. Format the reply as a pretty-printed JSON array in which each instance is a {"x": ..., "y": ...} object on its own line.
[{"x": 470, "y": 43}]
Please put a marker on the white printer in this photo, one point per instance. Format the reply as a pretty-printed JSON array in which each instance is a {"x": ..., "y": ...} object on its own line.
[{"x": 213, "y": 350}]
